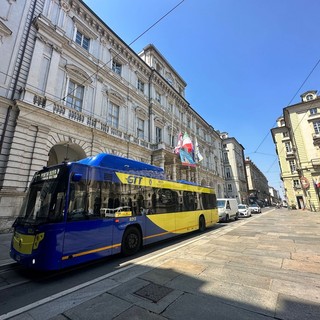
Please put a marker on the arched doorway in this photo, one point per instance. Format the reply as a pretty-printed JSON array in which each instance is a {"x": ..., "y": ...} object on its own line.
[
  {"x": 203, "y": 182},
  {"x": 65, "y": 152}
]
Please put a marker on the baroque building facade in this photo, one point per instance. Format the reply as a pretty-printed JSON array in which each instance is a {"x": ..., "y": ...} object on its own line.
[
  {"x": 71, "y": 88},
  {"x": 258, "y": 187},
  {"x": 275, "y": 198},
  {"x": 234, "y": 169},
  {"x": 297, "y": 142}
]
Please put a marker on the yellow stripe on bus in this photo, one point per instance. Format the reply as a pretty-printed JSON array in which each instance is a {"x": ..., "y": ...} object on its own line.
[
  {"x": 157, "y": 183},
  {"x": 74, "y": 255}
]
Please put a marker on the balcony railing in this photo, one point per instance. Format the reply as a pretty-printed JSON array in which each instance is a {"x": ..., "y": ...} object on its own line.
[
  {"x": 96, "y": 123},
  {"x": 316, "y": 138},
  {"x": 290, "y": 154},
  {"x": 93, "y": 122},
  {"x": 315, "y": 162}
]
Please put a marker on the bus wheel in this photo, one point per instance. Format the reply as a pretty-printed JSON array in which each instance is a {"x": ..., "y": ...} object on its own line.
[
  {"x": 202, "y": 224},
  {"x": 131, "y": 241}
]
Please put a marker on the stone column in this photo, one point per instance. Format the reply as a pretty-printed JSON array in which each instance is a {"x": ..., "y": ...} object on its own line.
[{"x": 174, "y": 169}]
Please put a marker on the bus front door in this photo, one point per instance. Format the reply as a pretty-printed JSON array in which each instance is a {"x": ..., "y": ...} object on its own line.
[{"x": 87, "y": 240}]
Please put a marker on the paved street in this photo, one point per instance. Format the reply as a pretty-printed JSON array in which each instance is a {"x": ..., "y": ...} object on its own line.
[{"x": 263, "y": 267}]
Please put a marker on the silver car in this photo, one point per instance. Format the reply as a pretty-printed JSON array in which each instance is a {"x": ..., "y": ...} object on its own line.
[
  {"x": 244, "y": 210},
  {"x": 255, "y": 208}
]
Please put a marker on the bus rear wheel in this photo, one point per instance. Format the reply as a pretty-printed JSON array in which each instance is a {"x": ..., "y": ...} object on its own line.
[
  {"x": 131, "y": 241},
  {"x": 202, "y": 224}
]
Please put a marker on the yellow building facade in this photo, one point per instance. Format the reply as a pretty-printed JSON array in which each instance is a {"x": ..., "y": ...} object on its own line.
[{"x": 297, "y": 141}]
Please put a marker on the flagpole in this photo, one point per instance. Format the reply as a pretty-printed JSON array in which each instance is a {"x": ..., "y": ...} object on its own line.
[{"x": 172, "y": 140}]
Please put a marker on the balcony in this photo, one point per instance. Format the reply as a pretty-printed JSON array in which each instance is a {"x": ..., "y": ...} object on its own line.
[
  {"x": 315, "y": 162},
  {"x": 290, "y": 154},
  {"x": 316, "y": 139}
]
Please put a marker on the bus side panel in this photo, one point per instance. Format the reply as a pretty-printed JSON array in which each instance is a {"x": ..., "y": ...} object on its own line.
[
  {"x": 90, "y": 240},
  {"x": 166, "y": 225},
  {"x": 214, "y": 216},
  {"x": 211, "y": 217},
  {"x": 87, "y": 240},
  {"x": 163, "y": 226},
  {"x": 159, "y": 227},
  {"x": 187, "y": 221}
]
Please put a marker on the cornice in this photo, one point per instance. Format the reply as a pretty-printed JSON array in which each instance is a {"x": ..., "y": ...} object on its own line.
[
  {"x": 142, "y": 113},
  {"x": 115, "y": 97},
  {"x": 82, "y": 27},
  {"x": 78, "y": 74},
  {"x": 50, "y": 35},
  {"x": 4, "y": 30},
  {"x": 43, "y": 25},
  {"x": 89, "y": 19}
]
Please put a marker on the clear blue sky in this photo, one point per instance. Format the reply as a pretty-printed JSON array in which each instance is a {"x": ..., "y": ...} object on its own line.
[{"x": 243, "y": 60}]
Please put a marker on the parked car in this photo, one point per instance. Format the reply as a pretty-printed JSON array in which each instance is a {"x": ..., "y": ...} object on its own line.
[
  {"x": 255, "y": 208},
  {"x": 244, "y": 210},
  {"x": 227, "y": 209}
]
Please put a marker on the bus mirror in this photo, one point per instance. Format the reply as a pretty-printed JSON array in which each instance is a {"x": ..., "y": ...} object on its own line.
[{"x": 76, "y": 177}]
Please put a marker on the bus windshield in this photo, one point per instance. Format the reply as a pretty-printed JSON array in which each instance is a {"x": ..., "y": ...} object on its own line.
[{"x": 45, "y": 200}]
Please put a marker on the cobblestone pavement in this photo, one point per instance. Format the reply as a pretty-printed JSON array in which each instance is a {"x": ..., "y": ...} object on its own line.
[{"x": 263, "y": 267}]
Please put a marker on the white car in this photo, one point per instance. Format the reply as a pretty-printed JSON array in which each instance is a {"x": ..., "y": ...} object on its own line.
[
  {"x": 244, "y": 210},
  {"x": 255, "y": 208}
]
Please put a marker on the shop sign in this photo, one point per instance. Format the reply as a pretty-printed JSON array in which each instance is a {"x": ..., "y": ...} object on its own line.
[{"x": 304, "y": 182}]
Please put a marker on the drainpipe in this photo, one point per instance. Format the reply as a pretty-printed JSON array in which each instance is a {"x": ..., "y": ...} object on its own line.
[
  {"x": 5, "y": 125},
  {"x": 23, "y": 50},
  {"x": 32, "y": 153},
  {"x": 150, "y": 108},
  {"x": 17, "y": 76},
  {"x": 150, "y": 112}
]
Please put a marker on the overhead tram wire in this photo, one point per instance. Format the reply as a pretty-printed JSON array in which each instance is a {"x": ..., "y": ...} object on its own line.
[
  {"x": 294, "y": 130},
  {"x": 103, "y": 66},
  {"x": 303, "y": 83}
]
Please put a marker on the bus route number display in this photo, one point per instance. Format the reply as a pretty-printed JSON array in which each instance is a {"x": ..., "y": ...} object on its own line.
[{"x": 51, "y": 174}]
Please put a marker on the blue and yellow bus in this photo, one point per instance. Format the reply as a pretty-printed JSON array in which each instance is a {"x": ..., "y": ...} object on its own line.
[{"x": 80, "y": 211}]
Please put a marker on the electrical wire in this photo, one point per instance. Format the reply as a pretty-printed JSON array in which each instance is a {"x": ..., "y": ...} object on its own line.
[
  {"x": 143, "y": 33},
  {"x": 106, "y": 63},
  {"x": 294, "y": 130},
  {"x": 303, "y": 83},
  {"x": 290, "y": 102}
]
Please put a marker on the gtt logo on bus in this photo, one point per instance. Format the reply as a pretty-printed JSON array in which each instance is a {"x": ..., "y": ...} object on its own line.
[{"x": 134, "y": 179}]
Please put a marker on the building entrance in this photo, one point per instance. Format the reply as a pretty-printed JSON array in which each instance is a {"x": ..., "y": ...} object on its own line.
[{"x": 300, "y": 202}]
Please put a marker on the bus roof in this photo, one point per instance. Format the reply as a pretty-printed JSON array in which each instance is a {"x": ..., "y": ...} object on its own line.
[{"x": 106, "y": 160}]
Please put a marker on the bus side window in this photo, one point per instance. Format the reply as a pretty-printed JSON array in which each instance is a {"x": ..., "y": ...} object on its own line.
[
  {"x": 208, "y": 201},
  {"x": 56, "y": 213},
  {"x": 94, "y": 199},
  {"x": 78, "y": 206},
  {"x": 205, "y": 202},
  {"x": 97, "y": 206},
  {"x": 189, "y": 200},
  {"x": 141, "y": 209}
]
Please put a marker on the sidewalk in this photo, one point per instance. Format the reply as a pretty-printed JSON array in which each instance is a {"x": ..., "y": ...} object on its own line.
[
  {"x": 5, "y": 240},
  {"x": 264, "y": 267}
]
